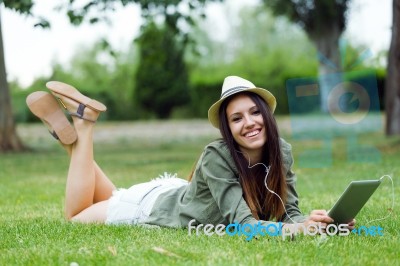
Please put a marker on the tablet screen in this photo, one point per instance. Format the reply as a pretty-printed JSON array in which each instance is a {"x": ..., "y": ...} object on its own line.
[{"x": 352, "y": 200}]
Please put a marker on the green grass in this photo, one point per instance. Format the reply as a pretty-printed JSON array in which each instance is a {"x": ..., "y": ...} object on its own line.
[{"x": 34, "y": 232}]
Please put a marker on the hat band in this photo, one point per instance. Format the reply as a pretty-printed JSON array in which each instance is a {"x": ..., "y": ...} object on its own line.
[{"x": 232, "y": 91}]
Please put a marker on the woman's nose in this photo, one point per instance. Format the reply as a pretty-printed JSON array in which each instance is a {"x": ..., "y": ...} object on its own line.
[{"x": 249, "y": 121}]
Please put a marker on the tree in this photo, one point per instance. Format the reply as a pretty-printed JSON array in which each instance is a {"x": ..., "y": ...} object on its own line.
[
  {"x": 9, "y": 140},
  {"x": 162, "y": 79},
  {"x": 324, "y": 21},
  {"x": 392, "y": 87},
  {"x": 162, "y": 76}
]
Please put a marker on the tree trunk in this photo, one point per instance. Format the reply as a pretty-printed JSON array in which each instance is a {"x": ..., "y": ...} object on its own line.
[
  {"x": 392, "y": 86},
  {"x": 9, "y": 140},
  {"x": 327, "y": 46}
]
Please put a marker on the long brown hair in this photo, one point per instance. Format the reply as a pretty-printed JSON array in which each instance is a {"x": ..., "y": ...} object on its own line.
[{"x": 262, "y": 203}]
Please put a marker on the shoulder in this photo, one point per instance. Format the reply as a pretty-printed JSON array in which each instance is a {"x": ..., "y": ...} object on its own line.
[
  {"x": 217, "y": 152},
  {"x": 217, "y": 144},
  {"x": 218, "y": 147},
  {"x": 286, "y": 150},
  {"x": 286, "y": 147}
]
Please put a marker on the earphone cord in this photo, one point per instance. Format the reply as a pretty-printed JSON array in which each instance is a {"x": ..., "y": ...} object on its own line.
[
  {"x": 273, "y": 192},
  {"x": 267, "y": 168},
  {"x": 392, "y": 208}
]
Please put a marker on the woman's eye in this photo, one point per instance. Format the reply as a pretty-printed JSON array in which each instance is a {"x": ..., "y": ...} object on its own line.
[
  {"x": 256, "y": 112},
  {"x": 236, "y": 119}
]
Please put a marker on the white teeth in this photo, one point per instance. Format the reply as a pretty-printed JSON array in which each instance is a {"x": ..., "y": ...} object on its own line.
[{"x": 253, "y": 133}]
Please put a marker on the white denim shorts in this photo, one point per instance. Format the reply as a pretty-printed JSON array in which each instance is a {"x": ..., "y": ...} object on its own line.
[{"x": 133, "y": 205}]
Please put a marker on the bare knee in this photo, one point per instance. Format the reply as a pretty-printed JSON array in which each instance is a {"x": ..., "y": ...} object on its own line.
[{"x": 72, "y": 217}]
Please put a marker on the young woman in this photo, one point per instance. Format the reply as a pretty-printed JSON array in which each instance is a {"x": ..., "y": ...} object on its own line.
[{"x": 245, "y": 177}]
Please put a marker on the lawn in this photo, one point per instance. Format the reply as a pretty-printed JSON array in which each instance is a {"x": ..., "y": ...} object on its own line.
[{"x": 34, "y": 232}]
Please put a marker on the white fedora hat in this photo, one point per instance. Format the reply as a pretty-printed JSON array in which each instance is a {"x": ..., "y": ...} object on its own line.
[{"x": 233, "y": 85}]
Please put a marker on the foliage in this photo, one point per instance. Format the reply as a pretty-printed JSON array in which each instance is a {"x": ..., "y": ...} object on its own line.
[
  {"x": 265, "y": 50},
  {"x": 105, "y": 75},
  {"x": 18, "y": 100},
  {"x": 99, "y": 72},
  {"x": 316, "y": 16},
  {"x": 22, "y": 6},
  {"x": 162, "y": 78},
  {"x": 169, "y": 9},
  {"x": 163, "y": 59},
  {"x": 259, "y": 51},
  {"x": 323, "y": 21},
  {"x": 25, "y": 7}
]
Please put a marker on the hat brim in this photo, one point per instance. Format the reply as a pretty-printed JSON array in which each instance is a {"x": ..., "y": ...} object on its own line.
[{"x": 213, "y": 112}]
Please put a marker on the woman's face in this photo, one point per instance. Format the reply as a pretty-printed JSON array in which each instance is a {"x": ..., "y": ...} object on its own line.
[{"x": 246, "y": 124}]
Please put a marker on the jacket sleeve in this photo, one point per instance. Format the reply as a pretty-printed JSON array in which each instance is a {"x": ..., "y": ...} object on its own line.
[
  {"x": 293, "y": 213},
  {"x": 223, "y": 183}
]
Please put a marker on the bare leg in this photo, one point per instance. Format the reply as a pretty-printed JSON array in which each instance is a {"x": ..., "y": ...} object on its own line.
[
  {"x": 103, "y": 185},
  {"x": 81, "y": 175},
  {"x": 88, "y": 188},
  {"x": 82, "y": 200}
]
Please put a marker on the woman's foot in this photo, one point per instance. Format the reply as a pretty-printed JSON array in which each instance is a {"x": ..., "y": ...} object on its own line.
[
  {"x": 76, "y": 109},
  {"x": 77, "y": 104},
  {"x": 44, "y": 106}
]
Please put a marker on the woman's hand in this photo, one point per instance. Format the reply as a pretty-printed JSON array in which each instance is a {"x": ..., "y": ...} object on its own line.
[
  {"x": 318, "y": 216},
  {"x": 317, "y": 220},
  {"x": 321, "y": 216}
]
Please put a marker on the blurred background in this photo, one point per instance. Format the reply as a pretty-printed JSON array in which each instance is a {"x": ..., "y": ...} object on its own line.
[{"x": 167, "y": 59}]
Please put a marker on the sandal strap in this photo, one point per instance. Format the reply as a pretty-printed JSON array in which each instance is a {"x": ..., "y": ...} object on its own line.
[
  {"x": 81, "y": 109},
  {"x": 80, "y": 112},
  {"x": 54, "y": 134}
]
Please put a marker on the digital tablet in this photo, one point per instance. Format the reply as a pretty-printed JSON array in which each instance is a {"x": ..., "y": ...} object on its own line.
[{"x": 352, "y": 200}]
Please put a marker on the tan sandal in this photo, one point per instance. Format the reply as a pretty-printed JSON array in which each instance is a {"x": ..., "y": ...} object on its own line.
[
  {"x": 63, "y": 89},
  {"x": 45, "y": 106}
]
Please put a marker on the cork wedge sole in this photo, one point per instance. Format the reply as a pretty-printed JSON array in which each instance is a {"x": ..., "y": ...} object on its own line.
[{"x": 45, "y": 106}]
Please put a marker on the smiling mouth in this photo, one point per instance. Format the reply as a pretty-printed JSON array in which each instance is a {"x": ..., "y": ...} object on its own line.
[{"x": 252, "y": 133}]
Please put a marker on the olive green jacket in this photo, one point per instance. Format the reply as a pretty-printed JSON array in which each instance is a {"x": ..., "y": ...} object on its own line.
[{"x": 215, "y": 196}]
